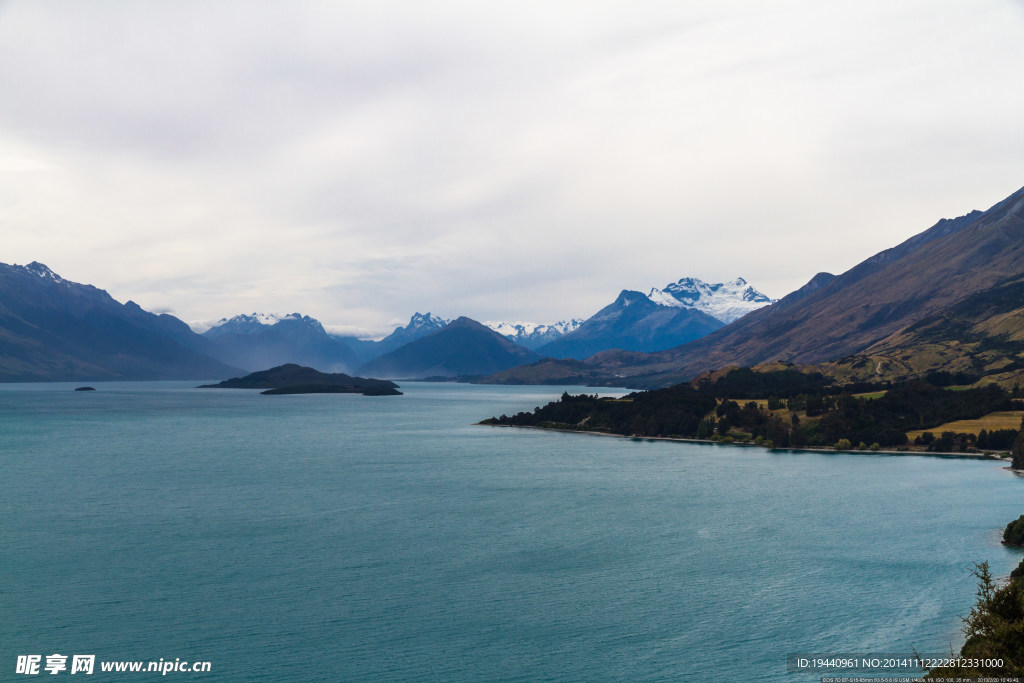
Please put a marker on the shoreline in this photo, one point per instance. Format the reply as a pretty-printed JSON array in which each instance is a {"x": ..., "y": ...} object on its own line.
[{"x": 941, "y": 454}]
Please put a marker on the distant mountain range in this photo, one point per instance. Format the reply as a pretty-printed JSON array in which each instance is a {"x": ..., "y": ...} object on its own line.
[
  {"x": 682, "y": 311},
  {"x": 55, "y": 329},
  {"x": 463, "y": 347},
  {"x": 420, "y": 325},
  {"x": 260, "y": 341},
  {"x": 949, "y": 299},
  {"x": 534, "y": 335},
  {"x": 664, "y": 318},
  {"x": 263, "y": 340},
  {"x": 946, "y": 298}
]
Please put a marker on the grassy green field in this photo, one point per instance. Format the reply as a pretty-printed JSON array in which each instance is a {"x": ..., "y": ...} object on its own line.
[{"x": 872, "y": 394}]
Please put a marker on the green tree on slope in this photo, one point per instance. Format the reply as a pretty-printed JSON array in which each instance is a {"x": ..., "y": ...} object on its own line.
[{"x": 994, "y": 629}]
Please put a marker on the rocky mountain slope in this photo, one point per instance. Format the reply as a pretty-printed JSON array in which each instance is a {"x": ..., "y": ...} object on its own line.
[
  {"x": 420, "y": 325},
  {"x": 634, "y": 323},
  {"x": 260, "y": 341},
  {"x": 463, "y": 347},
  {"x": 55, "y": 329}
]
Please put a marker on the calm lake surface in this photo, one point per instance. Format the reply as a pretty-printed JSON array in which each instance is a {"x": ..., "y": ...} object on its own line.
[{"x": 332, "y": 537}]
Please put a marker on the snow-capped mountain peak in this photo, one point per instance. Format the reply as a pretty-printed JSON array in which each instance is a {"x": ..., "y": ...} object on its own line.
[
  {"x": 260, "y": 318},
  {"x": 533, "y": 335},
  {"x": 256, "y": 322},
  {"x": 38, "y": 269},
  {"x": 511, "y": 329},
  {"x": 427, "y": 320},
  {"x": 726, "y": 301}
]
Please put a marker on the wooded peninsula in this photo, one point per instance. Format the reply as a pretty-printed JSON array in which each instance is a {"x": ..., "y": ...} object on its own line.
[{"x": 787, "y": 408}]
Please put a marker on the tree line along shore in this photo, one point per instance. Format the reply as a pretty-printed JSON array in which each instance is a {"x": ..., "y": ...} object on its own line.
[{"x": 791, "y": 409}]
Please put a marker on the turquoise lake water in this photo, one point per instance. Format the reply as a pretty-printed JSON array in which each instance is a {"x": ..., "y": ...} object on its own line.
[{"x": 332, "y": 537}]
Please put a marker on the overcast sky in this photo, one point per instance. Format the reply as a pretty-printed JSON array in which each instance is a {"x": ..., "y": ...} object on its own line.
[{"x": 359, "y": 161}]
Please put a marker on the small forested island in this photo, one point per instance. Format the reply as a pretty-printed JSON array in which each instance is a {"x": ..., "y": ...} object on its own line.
[
  {"x": 85, "y": 389},
  {"x": 786, "y": 408},
  {"x": 296, "y": 379}
]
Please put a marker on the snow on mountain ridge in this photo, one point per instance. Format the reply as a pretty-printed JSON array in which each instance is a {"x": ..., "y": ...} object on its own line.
[
  {"x": 511, "y": 329},
  {"x": 255, "y": 318},
  {"x": 426, "y": 320},
  {"x": 37, "y": 268},
  {"x": 533, "y": 335},
  {"x": 527, "y": 328},
  {"x": 726, "y": 301},
  {"x": 255, "y": 323}
]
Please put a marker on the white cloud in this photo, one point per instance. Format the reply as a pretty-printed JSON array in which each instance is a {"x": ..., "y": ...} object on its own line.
[{"x": 358, "y": 162}]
